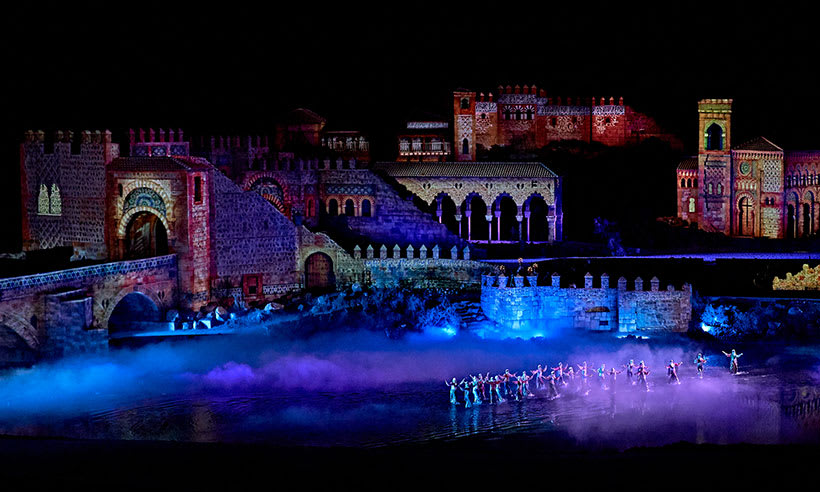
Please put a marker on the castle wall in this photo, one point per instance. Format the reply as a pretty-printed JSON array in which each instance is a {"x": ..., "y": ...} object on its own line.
[
  {"x": 251, "y": 237},
  {"x": 63, "y": 199},
  {"x": 597, "y": 309}
]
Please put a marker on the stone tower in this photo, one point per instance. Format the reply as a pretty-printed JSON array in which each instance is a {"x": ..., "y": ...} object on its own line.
[
  {"x": 464, "y": 125},
  {"x": 714, "y": 164}
]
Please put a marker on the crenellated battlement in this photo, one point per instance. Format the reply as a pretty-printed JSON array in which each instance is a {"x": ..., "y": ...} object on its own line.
[
  {"x": 227, "y": 143},
  {"x": 159, "y": 143},
  {"x": 526, "y": 302},
  {"x": 67, "y": 137}
]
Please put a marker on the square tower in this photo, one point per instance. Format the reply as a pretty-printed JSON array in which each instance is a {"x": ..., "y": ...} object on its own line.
[
  {"x": 464, "y": 125},
  {"x": 714, "y": 164}
]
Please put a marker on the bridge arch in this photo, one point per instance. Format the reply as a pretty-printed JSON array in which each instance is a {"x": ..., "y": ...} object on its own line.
[
  {"x": 22, "y": 328},
  {"x": 143, "y": 294}
]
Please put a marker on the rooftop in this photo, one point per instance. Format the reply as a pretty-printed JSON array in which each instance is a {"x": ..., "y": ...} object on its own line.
[
  {"x": 472, "y": 169},
  {"x": 159, "y": 164},
  {"x": 759, "y": 144}
]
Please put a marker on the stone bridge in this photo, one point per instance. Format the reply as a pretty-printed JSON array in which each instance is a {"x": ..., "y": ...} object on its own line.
[{"x": 67, "y": 311}]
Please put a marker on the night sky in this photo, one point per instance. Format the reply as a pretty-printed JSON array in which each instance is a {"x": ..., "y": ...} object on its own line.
[{"x": 234, "y": 69}]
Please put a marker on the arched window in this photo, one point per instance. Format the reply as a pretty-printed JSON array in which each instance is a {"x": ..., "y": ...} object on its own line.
[
  {"x": 691, "y": 205},
  {"x": 506, "y": 114},
  {"x": 709, "y": 189},
  {"x": 689, "y": 183},
  {"x": 465, "y": 146},
  {"x": 350, "y": 208},
  {"x": 517, "y": 114},
  {"x": 683, "y": 183},
  {"x": 366, "y": 212},
  {"x": 55, "y": 206},
  {"x": 42, "y": 200},
  {"x": 483, "y": 116},
  {"x": 553, "y": 121},
  {"x": 309, "y": 207},
  {"x": 333, "y": 207},
  {"x": 465, "y": 103},
  {"x": 529, "y": 114},
  {"x": 719, "y": 189},
  {"x": 714, "y": 137}
]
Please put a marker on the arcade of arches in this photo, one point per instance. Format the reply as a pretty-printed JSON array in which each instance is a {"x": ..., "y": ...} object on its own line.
[{"x": 500, "y": 221}]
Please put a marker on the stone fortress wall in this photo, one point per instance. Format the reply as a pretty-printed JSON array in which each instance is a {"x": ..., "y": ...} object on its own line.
[{"x": 519, "y": 304}]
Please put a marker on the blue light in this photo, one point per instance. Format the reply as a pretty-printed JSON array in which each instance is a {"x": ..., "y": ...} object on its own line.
[{"x": 706, "y": 328}]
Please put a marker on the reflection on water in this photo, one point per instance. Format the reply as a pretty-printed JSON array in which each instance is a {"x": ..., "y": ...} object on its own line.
[
  {"x": 719, "y": 409},
  {"x": 361, "y": 392}
]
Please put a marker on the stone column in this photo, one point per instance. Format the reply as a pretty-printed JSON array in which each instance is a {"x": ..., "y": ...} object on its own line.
[
  {"x": 489, "y": 228},
  {"x": 527, "y": 214},
  {"x": 551, "y": 225},
  {"x": 519, "y": 218},
  {"x": 497, "y": 214},
  {"x": 438, "y": 209},
  {"x": 468, "y": 213},
  {"x": 458, "y": 219}
]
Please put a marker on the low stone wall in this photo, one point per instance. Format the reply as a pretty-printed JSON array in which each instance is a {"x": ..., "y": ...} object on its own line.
[
  {"x": 424, "y": 273},
  {"x": 520, "y": 304}
]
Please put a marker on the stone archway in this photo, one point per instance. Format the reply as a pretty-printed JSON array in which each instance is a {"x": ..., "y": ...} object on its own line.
[
  {"x": 145, "y": 236},
  {"x": 319, "y": 275},
  {"x": 21, "y": 328},
  {"x": 134, "y": 306}
]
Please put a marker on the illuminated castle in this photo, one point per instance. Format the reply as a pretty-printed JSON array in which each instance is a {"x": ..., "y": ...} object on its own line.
[
  {"x": 754, "y": 189},
  {"x": 526, "y": 118}
]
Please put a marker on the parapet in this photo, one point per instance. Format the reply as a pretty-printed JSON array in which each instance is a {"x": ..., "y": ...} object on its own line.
[
  {"x": 410, "y": 252},
  {"x": 503, "y": 281}
]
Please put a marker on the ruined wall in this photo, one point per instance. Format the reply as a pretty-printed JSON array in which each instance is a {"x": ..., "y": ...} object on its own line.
[{"x": 525, "y": 306}]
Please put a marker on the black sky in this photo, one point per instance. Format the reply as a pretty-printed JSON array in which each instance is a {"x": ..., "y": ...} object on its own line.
[{"x": 233, "y": 68}]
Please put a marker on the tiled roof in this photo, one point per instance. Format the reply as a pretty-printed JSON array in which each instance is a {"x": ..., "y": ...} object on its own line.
[
  {"x": 159, "y": 164},
  {"x": 474, "y": 169},
  {"x": 688, "y": 164},
  {"x": 759, "y": 144}
]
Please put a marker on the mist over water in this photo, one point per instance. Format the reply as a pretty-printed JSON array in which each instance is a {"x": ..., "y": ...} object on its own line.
[{"x": 360, "y": 388}]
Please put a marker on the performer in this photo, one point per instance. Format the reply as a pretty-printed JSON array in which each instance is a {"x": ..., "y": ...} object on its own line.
[
  {"x": 453, "y": 387},
  {"x": 482, "y": 380},
  {"x": 672, "y": 372},
  {"x": 497, "y": 387},
  {"x": 584, "y": 373},
  {"x": 539, "y": 380},
  {"x": 571, "y": 376},
  {"x": 642, "y": 372},
  {"x": 505, "y": 383},
  {"x": 734, "y": 356},
  {"x": 551, "y": 382},
  {"x": 700, "y": 360},
  {"x": 613, "y": 376},
  {"x": 559, "y": 373},
  {"x": 526, "y": 379},
  {"x": 630, "y": 367},
  {"x": 602, "y": 376},
  {"x": 465, "y": 387},
  {"x": 474, "y": 386}
]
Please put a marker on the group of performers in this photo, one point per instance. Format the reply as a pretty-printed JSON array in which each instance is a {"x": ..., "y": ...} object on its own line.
[{"x": 501, "y": 387}]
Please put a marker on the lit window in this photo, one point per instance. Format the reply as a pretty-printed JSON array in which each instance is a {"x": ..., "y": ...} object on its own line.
[
  {"x": 197, "y": 189},
  {"x": 55, "y": 206},
  {"x": 42, "y": 200},
  {"x": 691, "y": 205}
]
